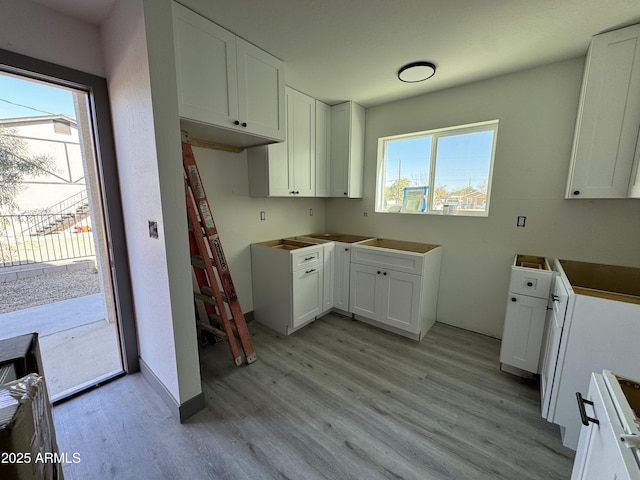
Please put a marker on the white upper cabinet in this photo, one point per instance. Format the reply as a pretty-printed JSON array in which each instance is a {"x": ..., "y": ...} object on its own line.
[
  {"x": 347, "y": 150},
  {"x": 287, "y": 169},
  {"x": 226, "y": 83},
  {"x": 323, "y": 149},
  {"x": 606, "y": 136}
]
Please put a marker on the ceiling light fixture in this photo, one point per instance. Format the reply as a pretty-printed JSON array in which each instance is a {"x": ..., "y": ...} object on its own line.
[{"x": 417, "y": 72}]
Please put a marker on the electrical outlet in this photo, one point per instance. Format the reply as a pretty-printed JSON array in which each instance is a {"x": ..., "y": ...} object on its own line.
[
  {"x": 263, "y": 216},
  {"x": 521, "y": 221},
  {"x": 311, "y": 212},
  {"x": 153, "y": 229},
  {"x": 365, "y": 213}
]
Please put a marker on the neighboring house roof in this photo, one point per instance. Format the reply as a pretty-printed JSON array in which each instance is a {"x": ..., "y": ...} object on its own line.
[{"x": 18, "y": 121}]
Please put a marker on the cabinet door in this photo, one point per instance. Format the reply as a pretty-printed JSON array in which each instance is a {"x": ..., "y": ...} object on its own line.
[
  {"x": 307, "y": 295},
  {"x": 205, "y": 68},
  {"x": 401, "y": 300},
  {"x": 600, "y": 454},
  {"x": 301, "y": 143},
  {"x": 523, "y": 330},
  {"x": 328, "y": 269},
  {"x": 365, "y": 290},
  {"x": 280, "y": 174},
  {"x": 260, "y": 91},
  {"x": 347, "y": 150},
  {"x": 341, "y": 277},
  {"x": 608, "y": 117},
  {"x": 556, "y": 316},
  {"x": 323, "y": 149}
]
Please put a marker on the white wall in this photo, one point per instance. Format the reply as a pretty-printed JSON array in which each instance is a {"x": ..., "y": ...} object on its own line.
[
  {"x": 237, "y": 216},
  {"x": 127, "y": 67},
  {"x": 537, "y": 112},
  {"x": 39, "y": 32},
  {"x": 164, "y": 93}
]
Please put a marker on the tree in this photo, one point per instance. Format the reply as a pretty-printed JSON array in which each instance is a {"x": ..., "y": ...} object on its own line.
[
  {"x": 396, "y": 190},
  {"x": 15, "y": 164}
]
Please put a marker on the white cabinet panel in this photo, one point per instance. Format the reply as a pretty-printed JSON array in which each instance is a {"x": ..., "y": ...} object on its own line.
[
  {"x": 307, "y": 295},
  {"x": 365, "y": 289},
  {"x": 523, "y": 330},
  {"x": 608, "y": 117},
  {"x": 287, "y": 169},
  {"x": 260, "y": 91},
  {"x": 207, "y": 83},
  {"x": 323, "y": 149},
  {"x": 341, "y": 277},
  {"x": 401, "y": 300},
  {"x": 347, "y": 150}
]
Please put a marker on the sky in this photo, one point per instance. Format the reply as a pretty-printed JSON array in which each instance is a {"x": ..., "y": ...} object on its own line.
[
  {"x": 25, "y": 98},
  {"x": 462, "y": 160}
]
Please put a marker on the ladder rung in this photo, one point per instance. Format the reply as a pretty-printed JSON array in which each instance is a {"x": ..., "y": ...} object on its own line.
[
  {"x": 205, "y": 298},
  {"x": 217, "y": 332},
  {"x": 209, "y": 291}
]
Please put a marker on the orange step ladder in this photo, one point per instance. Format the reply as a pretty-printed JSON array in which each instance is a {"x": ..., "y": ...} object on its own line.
[{"x": 226, "y": 320}]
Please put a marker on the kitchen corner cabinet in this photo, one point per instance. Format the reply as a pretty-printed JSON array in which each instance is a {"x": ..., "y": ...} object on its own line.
[
  {"x": 526, "y": 312},
  {"x": 229, "y": 91},
  {"x": 395, "y": 290},
  {"x": 604, "y": 159},
  {"x": 347, "y": 150},
  {"x": 288, "y": 284},
  {"x": 288, "y": 169}
]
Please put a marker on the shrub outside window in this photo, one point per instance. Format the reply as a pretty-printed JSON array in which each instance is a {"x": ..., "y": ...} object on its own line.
[{"x": 444, "y": 171}]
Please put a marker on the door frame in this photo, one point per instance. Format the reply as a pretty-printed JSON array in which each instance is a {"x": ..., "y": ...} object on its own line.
[{"x": 107, "y": 168}]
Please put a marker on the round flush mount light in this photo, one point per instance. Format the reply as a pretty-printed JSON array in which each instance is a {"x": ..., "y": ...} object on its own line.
[{"x": 417, "y": 72}]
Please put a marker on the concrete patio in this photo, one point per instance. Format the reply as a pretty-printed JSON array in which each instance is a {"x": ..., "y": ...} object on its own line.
[{"x": 77, "y": 343}]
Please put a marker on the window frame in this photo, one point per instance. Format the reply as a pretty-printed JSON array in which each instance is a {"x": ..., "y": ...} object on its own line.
[{"x": 436, "y": 134}]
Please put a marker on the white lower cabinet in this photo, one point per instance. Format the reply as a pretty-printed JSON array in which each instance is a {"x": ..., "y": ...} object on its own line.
[
  {"x": 395, "y": 290},
  {"x": 342, "y": 272},
  {"x": 525, "y": 316},
  {"x": 601, "y": 453},
  {"x": 307, "y": 286},
  {"x": 288, "y": 283},
  {"x": 328, "y": 269},
  {"x": 386, "y": 296}
]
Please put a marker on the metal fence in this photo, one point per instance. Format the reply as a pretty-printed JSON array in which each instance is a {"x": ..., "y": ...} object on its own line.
[{"x": 45, "y": 237}]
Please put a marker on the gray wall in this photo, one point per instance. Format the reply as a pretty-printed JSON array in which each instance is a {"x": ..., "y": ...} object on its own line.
[{"x": 537, "y": 112}]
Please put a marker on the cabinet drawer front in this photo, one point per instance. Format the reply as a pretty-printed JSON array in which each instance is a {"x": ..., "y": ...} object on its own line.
[
  {"x": 527, "y": 281},
  {"x": 305, "y": 258},
  {"x": 391, "y": 259}
]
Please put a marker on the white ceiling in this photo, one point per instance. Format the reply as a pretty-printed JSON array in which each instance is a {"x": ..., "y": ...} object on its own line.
[{"x": 337, "y": 50}]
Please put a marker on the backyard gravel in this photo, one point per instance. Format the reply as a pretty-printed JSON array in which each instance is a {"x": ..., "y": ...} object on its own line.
[{"x": 49, "y": 288}]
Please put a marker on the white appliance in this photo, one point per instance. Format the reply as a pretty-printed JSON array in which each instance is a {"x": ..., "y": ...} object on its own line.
[{"x": 609, "y": 445}]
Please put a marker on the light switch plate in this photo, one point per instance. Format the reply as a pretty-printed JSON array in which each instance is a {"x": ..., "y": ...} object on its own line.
[{"x": 153, "y": 229}]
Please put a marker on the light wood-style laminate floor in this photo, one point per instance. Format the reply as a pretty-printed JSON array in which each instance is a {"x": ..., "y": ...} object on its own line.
[{"x": 335, "y": 400}]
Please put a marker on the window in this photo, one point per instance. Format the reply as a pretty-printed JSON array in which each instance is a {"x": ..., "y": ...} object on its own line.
[{"x": 444, "y": 171}]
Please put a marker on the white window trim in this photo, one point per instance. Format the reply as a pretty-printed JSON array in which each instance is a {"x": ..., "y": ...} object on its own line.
[{"x": 436, "y": 133}]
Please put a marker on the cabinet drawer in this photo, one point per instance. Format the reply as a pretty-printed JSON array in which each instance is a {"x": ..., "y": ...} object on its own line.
[
  {"x": 530, "y": 282},
  {"x": 386, "y": 258},
  {"x": 306, "y": 257}
]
